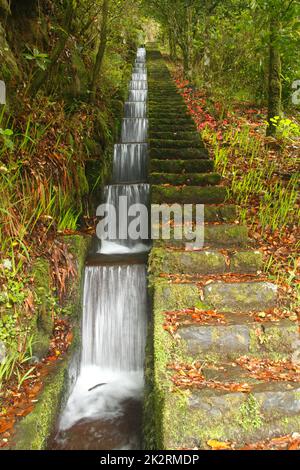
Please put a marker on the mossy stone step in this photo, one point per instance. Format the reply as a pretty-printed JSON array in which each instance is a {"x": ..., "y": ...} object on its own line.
[
  {"x": 189, "y": 179},
  {"x": 241, "y": 296},
  {"x": 220, "y": 213},
  {"x": 239, "y": 336},
  {"x": 182, "y": 135},
  {"x": 179, "y": 166},
  {"x": 181, "y": 124},
  {"x": 171, "y": 116},
  {"x": 193, "y": 418},
  {"x": 215, "y": 236},
  {"x": 204, "y": 262},
  {"x": 188, "y": 194},
  {"x": 165, "y": 125},
  {"x": 175, "y": 144},
  {"x": 179, "y": 154}
]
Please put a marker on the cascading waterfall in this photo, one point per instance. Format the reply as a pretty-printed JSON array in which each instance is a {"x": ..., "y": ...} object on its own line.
[
  {"x": 130, "y": 162},
  {"x": 104, "y": 407}
]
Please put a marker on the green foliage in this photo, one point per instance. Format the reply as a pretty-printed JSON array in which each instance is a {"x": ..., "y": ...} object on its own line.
[
  {"x": 286, "y": 129},
  {"x": 41, "y": 59}
]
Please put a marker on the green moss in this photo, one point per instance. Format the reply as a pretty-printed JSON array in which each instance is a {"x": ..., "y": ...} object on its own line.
[
  {"x": 250, "y": 416},
  {"x": 246, "y": 262},
  {"x": 180, "y": 166},
  {"x": 78, "y": 246},
  {"x": 34, "y": 430},
  {"x": 43, "y": 321},
  {"x": 174, "y": 144},
  {"x": 176, "y": 262},
  {"x": 187, "y": 194},
  {"x": 194, "y": 179}
]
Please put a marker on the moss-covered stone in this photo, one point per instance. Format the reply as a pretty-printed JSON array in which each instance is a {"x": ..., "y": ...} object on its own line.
[
  {"x": 223, "y": 213},
  {"x": 174, "y": 144},
  {"x": 187, "y": 135},
  {"x": 242, "y": 296},
  {"x": 231, "y": 340},
  {"x": 42, "y": 330},
  {"x": 189, "y": 179},
  {"x": 78, "y": 246},
  {"x": 215, "y": 236},
  {"x": 246, "y": 262},
  {"x": 175, "y": 296},
  {"x": 226, "y": 235},
  {"x": 188, "y": 194},
  {"x": 34, "y": 430},
  {"x": 179, "y": 154},
  {"x": 176, "y": 262},
  {"x": 181, "y": 166}
]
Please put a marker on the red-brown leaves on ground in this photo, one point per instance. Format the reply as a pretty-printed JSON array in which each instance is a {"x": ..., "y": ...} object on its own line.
[
  {"x": 267, "y": 370},
  {"x": 190, "y": 316},
  {"x": 17, "y": 402},
  {"x": 189, "y": 376}
]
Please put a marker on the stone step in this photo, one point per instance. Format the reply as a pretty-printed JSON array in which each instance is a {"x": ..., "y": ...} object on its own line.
[
  {"x": 179, "y": 153},
  {"x": 205, "y": 262},
  {"x": 188, "y": 194},
  {"x": 182, "y": 135},
  {"x": 164, "y": 108},
  {"x": 175, "y": 144},
  {"x": 271, "y": 409},
  {"x": 169, "y": 103},
  {"x": 240, "y": 296},
  {"x": 220, "y": 213},
  {"x": 167, "y": 125},
  {"x": 189, "y": 179},
  {"x": 179, "y": 166},
  {"x": 239, "y": 336},
  {"x": 215, "y": 236}
]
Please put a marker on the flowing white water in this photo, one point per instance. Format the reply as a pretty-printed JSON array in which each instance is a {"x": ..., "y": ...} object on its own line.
[
  {"x": 135, "y": 109},
  {"x": 138, "y": 84},
  {"x": 115, "y": 303},
  {"x": 139, "y": 76},
  {"x": 138, "y": 95},
  {"x": 123, "y": 243},
  {"x": 130, "y": 162},
  {"x": 134, "y": 130}
]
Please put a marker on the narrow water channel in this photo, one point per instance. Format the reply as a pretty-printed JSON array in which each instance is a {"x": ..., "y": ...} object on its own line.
[{"x": 104, "y": 409}]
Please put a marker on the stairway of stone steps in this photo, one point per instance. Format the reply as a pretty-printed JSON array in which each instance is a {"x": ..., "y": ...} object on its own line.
[{"x": 224, "y": 277}]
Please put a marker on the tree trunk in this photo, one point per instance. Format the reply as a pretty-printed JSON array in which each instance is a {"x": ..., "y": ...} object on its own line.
[
  {"x": 101, "y": 49},
  {"x": 275, "y": 85},
  {"x": 186, "y": 60},
  {"x": 42, "y": 76},
  {"x": 172, "y": 45}
]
